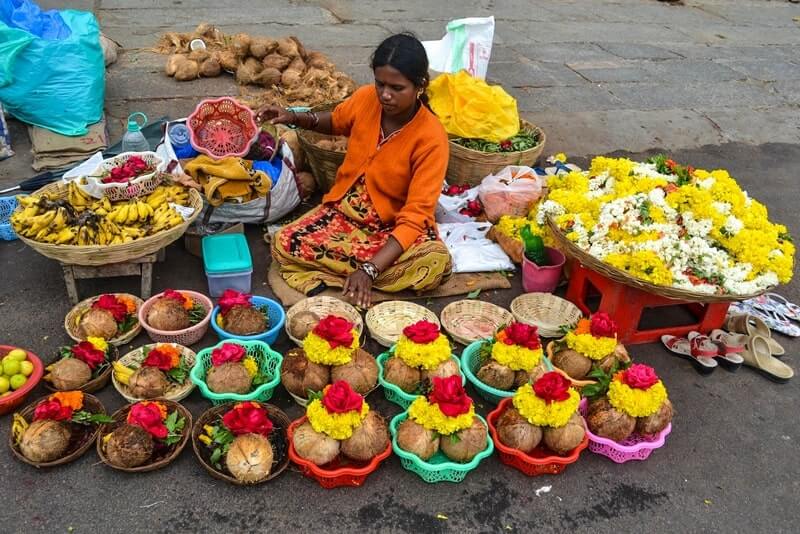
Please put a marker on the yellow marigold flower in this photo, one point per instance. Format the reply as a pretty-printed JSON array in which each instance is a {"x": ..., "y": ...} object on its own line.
[
  {"x": 636, "y": 402},
  {"x": 431, "y": 417},
  {"x": 539, "y": 413},
  {"x": 642, "y": 264},
  {"x": 69, "y": 399},
  {"x": 318, "y": 350},
  {"x": 425, "y": 355},
  {"x": 220, "y": 321},
  {"x": 251, "y": 365},
  {"x": 560, "y": 157},
  {"x": 594, "y": 348},
  {"x": 335, "y": 425},
  {"x": 98, "y": 342},
  {"x": 515, "y": 357}
]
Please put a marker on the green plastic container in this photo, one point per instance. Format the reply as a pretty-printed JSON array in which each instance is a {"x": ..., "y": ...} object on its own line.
[
  {"x": 470, "y": 361},
  {"x": 394, "y": 393},
  {"x": 269, "y": 362},
  {"x": 439, "y": 468},
  {"x": 228, "y": 263}
]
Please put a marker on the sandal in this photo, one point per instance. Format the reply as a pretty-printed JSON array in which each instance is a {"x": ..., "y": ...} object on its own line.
[
  {"x": 700, "y": 353},
  {"x": 752, "y": 325},
  {"x": 774, "y": 320},
  {"x": 730, "y": 348},
  {"x": 772, "y": 302},
  {"x": 757, "y": 355}
]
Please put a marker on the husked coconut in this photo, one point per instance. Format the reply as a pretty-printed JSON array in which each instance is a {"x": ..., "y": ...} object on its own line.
[
  {"x": 97, "y": 322},
  {"x": 653, "y": 424},
  {"x": 524, "y": 377},
  {"x": 496, "y": 375},
  {"x": 129, "y": 446},
  {"x": 299, "y": 375},
  {"x": 575, "y": 364},
  {"x": 245, "y": 321},
  {"x": 148, "y": 383},
  {"x": 249, "y": 458},
  {"x": 314, "y": 446},
  {"x": 231, "y": 377},
  {"x": 564, "y": 439},
  {"x": 516, "y": 432},
  {"x": 396, "y": 371},
  {"x": 276, "y": 61},
  {"x": 465, "y": 444},
  {"x": 447, "y": 368},
  {"x": 44, "y": 441},
  {"x": 414, "y": 438},
  {"x": 168, "y": 315},
  {"x": 368, "y": 440},
  {"x": 69, "y": 373},
  {"x": 361, "y": 372},
  {"x": 606, "y": 421}
]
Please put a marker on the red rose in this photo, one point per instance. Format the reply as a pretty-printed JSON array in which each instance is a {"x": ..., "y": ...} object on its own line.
[
  {"x": 339, "y": 397},
  {"x": 449, "y": 394},
  {"x": 422, "y": 332},
  {"x": 247, "y": 418},
  {"x": 523, "y": 335},
  {"x": 506, "y": 146},
  {"x": 85, "y": 352},
  {"x": 148, "y": 416},
  {"x": 52, "y": 409},
  {"x": 639, "y": 376},
  {"x": 174, "y": 295},
  {"x": 227, "y": 353},
  {"x": 552, "y": 387},
  {"x": 337, "y": 331},
  {"x": 159, "y": 359},
  {"x": 602, "y": 325},
  {"x": 231, "y": 298},
  {"x": 111, "y": 304}
]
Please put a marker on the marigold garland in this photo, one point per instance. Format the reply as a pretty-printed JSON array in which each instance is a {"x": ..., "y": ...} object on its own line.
[
  {"x": 425, "y": 355},
  {"x": 515, "y": 357},
  {"x": 636, "y": 402},
  {"x": 318, "y": 350},
  {"x": 99, "y": 343},
  {"x": 335, "y": 425},
  {"x": 69, "y": 399},
  {"x": 431, "y": 417},
  {"x": 594, "y": 348},
  {"x": 538, "y": 412},
  {"x": 251, "y": 365}
]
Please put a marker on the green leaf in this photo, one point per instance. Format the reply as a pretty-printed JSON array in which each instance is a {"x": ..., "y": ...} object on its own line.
[
  {"x": 454, "y": 438},
  {"x": 216, "y": 456},
  {"x": 83, "y": 417},
  {"x": 127, "y": 323},
  {"x": 313, "y": 395},
  {"x": 474, "y": 294}
]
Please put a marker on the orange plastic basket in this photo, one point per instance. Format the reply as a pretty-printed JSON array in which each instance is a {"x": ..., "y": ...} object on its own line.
[{"x": 222, "y": 127}]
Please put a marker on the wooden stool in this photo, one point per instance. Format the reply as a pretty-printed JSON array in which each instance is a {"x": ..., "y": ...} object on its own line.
[{"x": 137, "y": 267}]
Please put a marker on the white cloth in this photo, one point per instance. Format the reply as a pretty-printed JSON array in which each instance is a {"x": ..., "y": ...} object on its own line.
[{"x": 471, "y": 250}]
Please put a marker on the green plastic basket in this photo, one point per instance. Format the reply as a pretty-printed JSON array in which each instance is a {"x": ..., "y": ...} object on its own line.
[
  {"x": 269, "y": 362},
  {"x": 392, "y": 392},
  {"x": 439, "y": 468},
  {"x": 470, "y": 361}
]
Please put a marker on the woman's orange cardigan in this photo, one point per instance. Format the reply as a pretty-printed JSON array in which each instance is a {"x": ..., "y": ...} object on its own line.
[{"x": 404, "y": 176}]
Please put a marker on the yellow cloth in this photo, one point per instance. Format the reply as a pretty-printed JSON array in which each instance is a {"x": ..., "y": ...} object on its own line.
[{"x": 228, "y": 179}]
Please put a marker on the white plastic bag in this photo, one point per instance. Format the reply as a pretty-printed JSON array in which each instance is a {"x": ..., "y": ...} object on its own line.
[
  {"x": 448, "y": 207},
  {"x": 467, "y": 45},
  {"x": 512, "y": 191},
  {"x": 470, "y": 249}
]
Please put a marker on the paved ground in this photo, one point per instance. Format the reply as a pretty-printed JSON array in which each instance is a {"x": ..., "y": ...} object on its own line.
[{"x": 715, "y": 83}]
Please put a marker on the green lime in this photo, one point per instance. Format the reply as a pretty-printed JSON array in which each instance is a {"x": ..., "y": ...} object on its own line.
[
  {"x": 4, "y": 385},
  {"x": 17, "y": 381},
  {"x": 26, "y": 368},
  {"x": 4, "y": 394},
  {"x": 18, "y": 354},
  {"x": 10, "y": 367}
]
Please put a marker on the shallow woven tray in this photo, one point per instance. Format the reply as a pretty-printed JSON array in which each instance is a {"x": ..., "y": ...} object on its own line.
[
  {"x": 322, "y": 306},
  {"x": 79, "y": 443},
  {"x": 175, "y": 392},
  {"x": 277, "y": 438},
  {"x": 470, "y": 320},
  {"x": 386, "y": 321},
  {"x": 95, "y": 384},
  {"x": 545, "y": 311},
  {"x": 77, "y": 311},
  {"x": 163, "y": 460}
]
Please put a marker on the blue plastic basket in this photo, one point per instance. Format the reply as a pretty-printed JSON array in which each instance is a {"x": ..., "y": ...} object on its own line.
[
  {"x": 470, "y": 361},
  {"x": 7, "y": 207},
  {"x": 276, "y": 319},
  {"x": 394, "y": 393}
]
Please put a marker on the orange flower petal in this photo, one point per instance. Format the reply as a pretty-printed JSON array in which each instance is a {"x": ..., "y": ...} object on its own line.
[
  {"x": 70, "y": 399},
  {"x": 584, "y": 327}
]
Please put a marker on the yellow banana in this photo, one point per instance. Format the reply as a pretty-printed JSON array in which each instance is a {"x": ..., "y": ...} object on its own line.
[
  {"x": 66, "y": 235},
  {"x": 122, "y": 373},
  {"x": 18, "y": 427},
  {"x": 133, "y": 214},
  {"x": 142, "y": 209},
  {"x": 41, "y": 221},
  {"x": 122, "y": 214},
  {"x": 27, "y": 201}
]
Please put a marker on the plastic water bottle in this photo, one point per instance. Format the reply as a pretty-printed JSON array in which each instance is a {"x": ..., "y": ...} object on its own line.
[
  {"x": 134, "y": 140},
  {"x": 181, "y": 145}
]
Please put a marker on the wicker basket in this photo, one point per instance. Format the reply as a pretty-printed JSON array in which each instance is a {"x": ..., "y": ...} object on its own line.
[
  {"x": 186, "y": 336},
  {"x": 73, "y": 318},
  {"x": 94, "y": 255},
  {"x": 467, "y": 166},
  {"x": 139, "y": 186},
  {"x": 160, "y": 461},
  {"x": 95, "y": 384},
  {"x": 470, "y": 320},
  {"x": 278, "y": 439},
  {"x": 81, "y": 438},
  {"x": 322, "y": 306},
  {"x": 175, "y": 392},
  {"x": 386, "y": 321},
  {"x": 549, "y": 313},
  {"x": 324, "y": 163}
]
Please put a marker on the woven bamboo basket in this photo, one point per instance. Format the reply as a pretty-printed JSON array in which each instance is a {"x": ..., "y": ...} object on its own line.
[
  {"x": 319, "y": 306},
  {"x": 95, "y": 384},
  {"x": 467, "y": 166},
  {"x": 277, "y": 438},
  {"x": 575, "y": 252},
  {"x": 386, "y": 321},
  {"x": 470, "y": 320},
  {"x": 94, "y": 255},
  {"x": 324, "y": 163},
  {"x": 545, "y": 311},
  {"x": 164, "y": 458},
  {"x": 175, "y": 392},
  {"x": 73, "y": 318},
  {"x": 81, "y": 438}
]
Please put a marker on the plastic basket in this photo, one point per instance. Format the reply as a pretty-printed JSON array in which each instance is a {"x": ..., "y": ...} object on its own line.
[
  {"x": 276, "y": 319},
  {"x": 9, "y": 403},
  {"x": 540, "y": 461},
  {"x": 340, "y": 472},
  {"x": 269, "y": 363},
  {"x": 186, "y": 336},
  {"x": 221, "y": 127},
  {"x": 470, "y": 361},
  {"x": 438, "y": 468},
  {"x": 139, "y": 186},
  {"x": 635, "y": 447},
  {"x": 392, "y": 392},
  {"x": 7, "y": 207}
]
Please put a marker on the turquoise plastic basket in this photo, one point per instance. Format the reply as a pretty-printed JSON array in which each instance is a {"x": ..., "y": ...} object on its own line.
[
  {"x": 438, "y": 468},
  {"x": 394, "y": 393},
  {"x": 269, "y": 362},
  {"x": 470, "y": 361}
]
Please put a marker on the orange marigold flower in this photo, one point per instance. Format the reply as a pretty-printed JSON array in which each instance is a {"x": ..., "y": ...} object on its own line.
[
  {"x": 161, "y": 408},
  {"x": 129, "y": 304},
  {"x": 501, "y": 336},
  {"x": 188, "y": 303},
  {"x": 584, "y": 327},
  {"x": 69, "y": 399}
]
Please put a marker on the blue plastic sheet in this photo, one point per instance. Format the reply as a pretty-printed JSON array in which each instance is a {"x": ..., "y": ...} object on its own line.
[{"x": 26, "y": 15}]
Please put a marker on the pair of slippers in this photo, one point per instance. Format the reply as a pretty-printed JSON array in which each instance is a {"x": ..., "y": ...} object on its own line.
[{"x": 773, "y": 310}]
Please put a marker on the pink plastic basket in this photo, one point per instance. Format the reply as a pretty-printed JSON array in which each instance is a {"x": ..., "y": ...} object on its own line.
[
  {"x": 221, "y": 127},
  {"x": 635, "y": 447},
  {"x": 185, "y": 337}
]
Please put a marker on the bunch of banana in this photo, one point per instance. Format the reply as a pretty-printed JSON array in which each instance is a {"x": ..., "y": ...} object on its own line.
[
  {"x": 165, "y": 217},
  {"x": 177, "y": 194},
  {"x": 122, "y": 373},
  {"x": 77, "y": 198},
  {"x": 18, "y": 427},
  {"x": 131, "y": 212}
]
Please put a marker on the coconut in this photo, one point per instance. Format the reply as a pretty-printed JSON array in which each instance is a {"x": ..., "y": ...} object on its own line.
[
  {"x": 523, "y": 377},
  {"x": 187, "y": 70},
  {"x": 241, "y": 44},
  {"x": 361, "y": 372},
  {"x": 449, "y": 367},
  {"x": 168, "y": 315},
  {"x": 317, "y": 60},
  {"x": 172, "y": 64},
  {"x": 261, "y": 46},
  {"x": 291, "y": 77},
  {"x": 303, "y": 323},
  {"x": 228, "y": 60},
  {"x": 231, "y": 377},
  {"x": 210, "y": 68},
  {"x": 606, "y": 421},
  {"x": 313, "y": 76},
  {"x": 199, "y": 55},
  {"x": 653, "y": 424},
  {"x": 464, "y": 445},
  {"x": 148, "y": 383},
  {"x": 300, "y": 375},
  {"x": 297, "y": 64},
  {"x": 414, "y": 438},
  {"x": 401, "y": 375},
  {"x": 564, "y": 439},
  {"x": 129, "y": 446},
  {"x": 290, "y": 137},
  {"x": 69, "y": 373},
  {"x": 249, "y": 458},
  {"x": 45, "y": 440},
  {"x": 245, "y": 321},
  {"x": 248, "y": 72},
  {"x": 269, "y": 77},
  {"x": 98, "y": 323},
  {"x": 368, "y": 440},
  {"x": 314, "y": 446},
  {"x": 496, "y": 375},
  {"x": 300, "y": 48},
  {"x": 287, "y": 47},
  {"x": 276, "y": 61},
  {"x": 516, "y": 432},
  {"x": 573, "y": 363}
]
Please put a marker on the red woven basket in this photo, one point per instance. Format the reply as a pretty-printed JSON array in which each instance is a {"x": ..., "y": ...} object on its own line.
[{"x": 222, "y": 127}]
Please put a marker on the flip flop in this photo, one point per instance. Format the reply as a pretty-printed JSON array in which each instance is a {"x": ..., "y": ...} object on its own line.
[
  {"x": 758, "y": 356},
  {"x": 778, "y": 304},
  {"x": 730, "y": 348},
  {"x": 701, "y": 355},
  {"x": 752, "y": 325},
  {"x": 774, "y": 320}
]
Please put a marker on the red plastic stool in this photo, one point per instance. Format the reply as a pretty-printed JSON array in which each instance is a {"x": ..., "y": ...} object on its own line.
[{"x": 626, "y": 305}]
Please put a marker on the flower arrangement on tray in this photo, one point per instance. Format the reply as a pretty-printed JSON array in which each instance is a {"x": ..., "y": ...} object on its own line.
[
  {"x": 513, "y": 357},
  {"x": 239, "y": 316},
  {"x": 175, "y": 310},
  {"x": 110, "y": 316},
  {"x": 592, "y": 345},
  {"x": 162, "y": 368},
  {"x": 81, "y": 364},
  {"x": 331, "y": 352}
]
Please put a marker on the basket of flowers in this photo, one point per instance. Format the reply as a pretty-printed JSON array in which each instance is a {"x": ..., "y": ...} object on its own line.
[
  {"x": 591, "y": 345},
  {"x": 157, "y": 370},
  {"x": 247, "y": 317},
  {"x": 111, "y": 316},
  {"x": 176, "y": 316},
  {"x": 125, "y": 176},
  {"x": 340, "y": 440},
  {"x": 85, "y": 366}
]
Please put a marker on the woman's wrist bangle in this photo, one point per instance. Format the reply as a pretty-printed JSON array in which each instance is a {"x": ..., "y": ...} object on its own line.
[
  {"x": 294, "y": 118},
  {"x": 370, "y": 269}
]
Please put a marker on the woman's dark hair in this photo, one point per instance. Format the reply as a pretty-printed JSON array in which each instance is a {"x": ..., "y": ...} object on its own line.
[{"x": 405, "y": 53}]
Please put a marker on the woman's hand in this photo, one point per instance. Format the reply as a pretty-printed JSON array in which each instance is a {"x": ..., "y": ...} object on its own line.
[
  {"x": 358, "y": 289},
  {"x": 275, "y": 115}
]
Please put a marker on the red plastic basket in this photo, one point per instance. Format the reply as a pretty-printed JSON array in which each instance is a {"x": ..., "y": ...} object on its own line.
[
  {"x": 222, "y": 127},
  {"x": 540, "y": 461},
  {"x": 10, "y": 402},
  {"x": 341, "y": 471}
]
